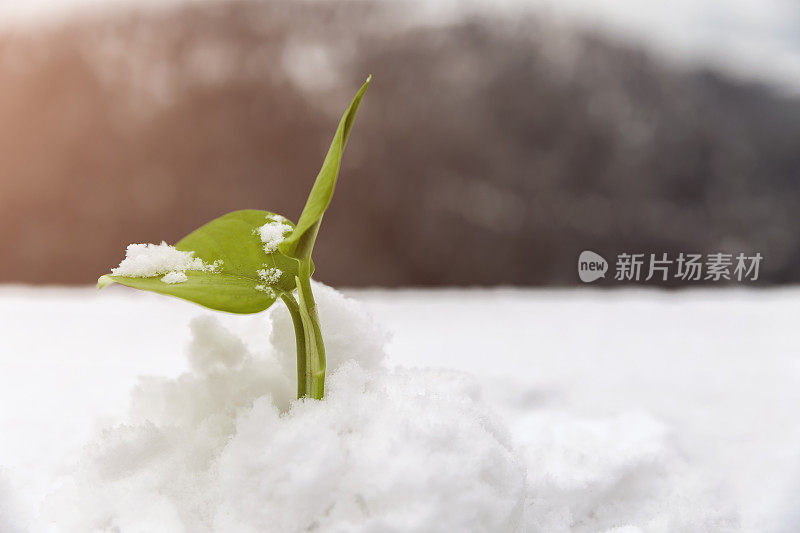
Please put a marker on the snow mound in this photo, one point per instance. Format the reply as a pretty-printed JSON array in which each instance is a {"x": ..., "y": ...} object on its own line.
[
  {"x": 387, "y": 451},
  {"x": 10, "y": 514},
  {"x": 620, "y": 474},
  {"x": 226, "y": 447}
]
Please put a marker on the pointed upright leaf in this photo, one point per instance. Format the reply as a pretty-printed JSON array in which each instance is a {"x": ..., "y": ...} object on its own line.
[{"x": 300, "y": 242}]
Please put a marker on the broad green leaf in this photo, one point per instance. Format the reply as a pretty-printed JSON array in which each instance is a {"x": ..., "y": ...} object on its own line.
[
  {"x": 234, "y": 240},
  {"x": 301, "y": 241}
]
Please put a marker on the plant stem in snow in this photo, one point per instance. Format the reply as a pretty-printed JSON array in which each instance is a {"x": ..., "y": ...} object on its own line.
[
  {"x": 314, "y": 347},
  {"x": 300, "y": 342},
  {"x": 241, "y": 261}
]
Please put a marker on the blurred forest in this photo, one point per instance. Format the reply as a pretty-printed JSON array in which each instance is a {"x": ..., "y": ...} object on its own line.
[{"x": 488, "y": 150}]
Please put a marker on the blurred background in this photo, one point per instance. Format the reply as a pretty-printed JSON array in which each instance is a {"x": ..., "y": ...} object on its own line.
[{"x": 497, "y": 141}]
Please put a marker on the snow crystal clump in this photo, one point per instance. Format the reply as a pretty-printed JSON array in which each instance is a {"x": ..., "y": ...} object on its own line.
[
  {"x": 269, "y": 291},
  {"x": 226, "y": 447},
  {"x": 175, "y": 276},
  {"x": 270, "y": 275},
  {"x": 148, "y": 260},
  {"x": 272, "y": 234}
]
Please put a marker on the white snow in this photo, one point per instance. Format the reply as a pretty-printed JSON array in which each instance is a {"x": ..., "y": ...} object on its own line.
[
  {"x": 589, "y": 411},
  {"x": 148, "y": 260},
  {"x": 270, "y": 275},
  {"x": 272, "y": 234},
  {"x": 269, "y": 291},
  {"x": 224, "y": 447},
  {"x": 175, "y": 276}
]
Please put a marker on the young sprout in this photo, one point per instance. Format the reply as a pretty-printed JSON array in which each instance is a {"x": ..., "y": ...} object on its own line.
[{"x": 244, "y": 261}]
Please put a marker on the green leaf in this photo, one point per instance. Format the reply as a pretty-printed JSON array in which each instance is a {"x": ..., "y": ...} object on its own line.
[
  {"x": 300, "y": 242},
  {"x": 234, "y": 240}
]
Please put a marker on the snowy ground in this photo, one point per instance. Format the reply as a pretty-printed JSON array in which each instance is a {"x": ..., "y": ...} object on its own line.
[{"x": 649, "y": 410}]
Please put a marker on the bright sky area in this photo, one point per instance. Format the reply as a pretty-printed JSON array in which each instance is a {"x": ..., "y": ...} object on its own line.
[{"x": 755, "y": 39}]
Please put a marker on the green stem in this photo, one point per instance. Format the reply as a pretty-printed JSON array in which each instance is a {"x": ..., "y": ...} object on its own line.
[
  {"x": 315, "y": 347},
  {"x": 308, "y": 337},
  {"x": 299, "y": 340}
]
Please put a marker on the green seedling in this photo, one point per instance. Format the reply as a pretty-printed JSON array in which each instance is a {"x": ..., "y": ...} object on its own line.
[{"x": 244, "y": 261}]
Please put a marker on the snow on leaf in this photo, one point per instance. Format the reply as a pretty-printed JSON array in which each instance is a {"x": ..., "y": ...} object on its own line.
[
  {"x": 229, "y": 260},
  {"x": 272, "y": 234},
  {"x": 147, "y": 260},
  {"x": 176, "y": 276},
  {"x": 270, "y": 275},
  {"x": 266, "y": 289}
]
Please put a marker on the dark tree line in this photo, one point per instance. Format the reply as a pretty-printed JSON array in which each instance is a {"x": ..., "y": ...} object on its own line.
[{"x": 488, "y": 151}]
